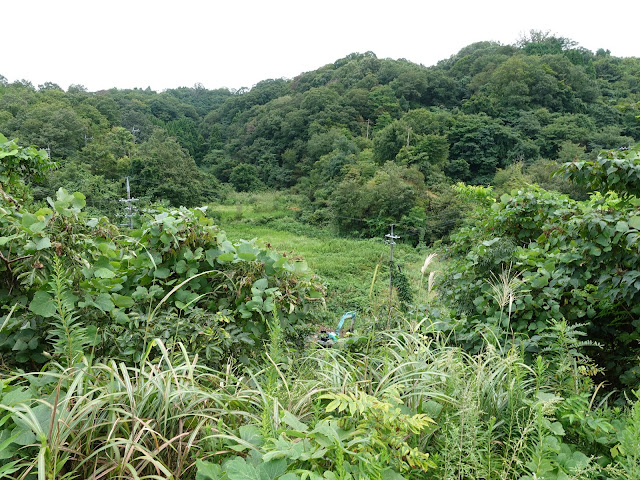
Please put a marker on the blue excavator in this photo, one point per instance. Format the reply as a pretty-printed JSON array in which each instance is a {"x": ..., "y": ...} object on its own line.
[{"x": 327, "y": 338}]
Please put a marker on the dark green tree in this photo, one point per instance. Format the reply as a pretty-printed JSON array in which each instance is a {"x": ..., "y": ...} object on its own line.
[
  {"x": 244, "y": 178},
  {"x": 165, "y": 171}
]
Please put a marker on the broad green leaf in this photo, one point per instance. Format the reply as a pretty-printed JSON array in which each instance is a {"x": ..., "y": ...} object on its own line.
[
  {"x": 246, "y": 256},
  {"x": 207, "y": 471},
  {"x": 227, "y": 247},
  {"x": 272, "y": 469},
  {"x": 488, "y": 243},
  {"x": 43, "y": 212},
  {"x": 63, "y": 196},
  {"x": 103, "y": 302},
  {"x": 37, "y": 227},
  {"x": 140, "y": 293},
  {"x": 254, "y": 304},
  {"x": 546, "y": 397},
  {"x": 246, "y": 248},
  {"x": 622, "y": 226},
  {"x": 42, "y": 304},
  {"x": 122, "y": 301},
  {"x": 162, "y": 272},
  {"x": 20, "y": 346},
  {"x": 556, "y": 428},
  {"x": 5, "y": 240},
  {"x": 333, "y": 405},
  {"x": 6, "y": 451},
  {"x": 261, "y": 284},
  {"x": 539, "y": 282},
  {"x": 23, "y": 436},
  {"x": 603, "y": 240},
  {"x": 634, "y": 222},
  {"x": 210, "y": 255},
  {"x": 42, "y": 243},
  {"x": 268, "y": 305},
  {"x": 251, "y": 434},
  {"x": 297, "y": 267},
  {"x": 16, "y": 396},
  {"x": 25, "y": 334},
  {"x": 119, "y": 316},
  {"x": 280, "y": 263},
  {"x": 181, "y": 267},
  {"x": 28, "y": 219},
  {"x": 239, "y": 469},
  {"x": 78, "y": 200},
  {"x": 577, "y": 461},
  {"x": 226, "y": 257},
  {"x": 390, "y": 474},
  {"x": 103, "y": 273}
]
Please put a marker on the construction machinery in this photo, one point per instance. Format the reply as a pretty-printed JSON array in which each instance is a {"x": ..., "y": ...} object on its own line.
[{"x": 328, "y": 338}]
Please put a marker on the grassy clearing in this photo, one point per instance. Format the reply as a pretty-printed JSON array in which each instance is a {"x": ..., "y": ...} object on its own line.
[{"x": 346, "y": 265}]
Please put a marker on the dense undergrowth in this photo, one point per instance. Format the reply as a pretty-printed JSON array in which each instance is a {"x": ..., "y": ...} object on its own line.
[
  {"x": 401, "y": 404},
  {"x": 170, "y": 351},
  {"x": 534, "y": 262}
]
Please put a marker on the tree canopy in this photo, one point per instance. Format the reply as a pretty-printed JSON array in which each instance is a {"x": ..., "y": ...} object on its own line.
[{"x": 486, "y": 107}]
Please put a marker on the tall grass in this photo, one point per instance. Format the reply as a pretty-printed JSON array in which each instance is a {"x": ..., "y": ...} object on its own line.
[
  {"x": 491, "y": 409},
  {"x": 109, "y": 420}
]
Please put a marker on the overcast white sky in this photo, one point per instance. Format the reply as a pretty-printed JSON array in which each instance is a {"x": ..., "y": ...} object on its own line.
[{"x": 166, "y": 44}]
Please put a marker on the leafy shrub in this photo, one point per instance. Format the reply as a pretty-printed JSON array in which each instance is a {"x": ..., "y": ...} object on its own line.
[
  {"x": 175, "y": 270},
  {"x": 579, "y": 263}
]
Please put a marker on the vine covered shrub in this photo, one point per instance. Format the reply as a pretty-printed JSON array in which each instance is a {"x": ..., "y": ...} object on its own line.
[
  {"x": 178, "y": 278},
  {"x": 578, "y": 261}
]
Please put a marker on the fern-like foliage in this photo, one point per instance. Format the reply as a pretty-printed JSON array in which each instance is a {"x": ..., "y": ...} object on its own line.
[
  {"x": 627, "y": 451},
  {"x": 571, "y": 368},
  {"x": 68, "y": 336},
  {"x": 386, "y": 431}
]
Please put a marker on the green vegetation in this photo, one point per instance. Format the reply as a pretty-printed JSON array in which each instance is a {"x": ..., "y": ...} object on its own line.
[
  {"x": 367, "y": 141},
  {"x": 501, "y": 342},
  {"x": 345, "y": 265}
]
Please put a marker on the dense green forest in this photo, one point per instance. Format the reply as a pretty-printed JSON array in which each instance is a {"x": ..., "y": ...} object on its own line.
[
  {"x": 177, "y": 349},
  {"x": 345, "y": 135}
]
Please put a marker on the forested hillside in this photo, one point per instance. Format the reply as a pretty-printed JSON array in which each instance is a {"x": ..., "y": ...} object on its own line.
[{"x": 363, "y": 132}]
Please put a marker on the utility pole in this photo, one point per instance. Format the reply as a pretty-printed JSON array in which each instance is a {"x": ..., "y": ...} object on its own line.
[
  {"x": 129, "y": 208},
  {"x": 408, "y": 135},
  {"x": 392, "y": 242},
  {"x": 86, "y": 139},
  {"x": 48, "y": 150}
]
